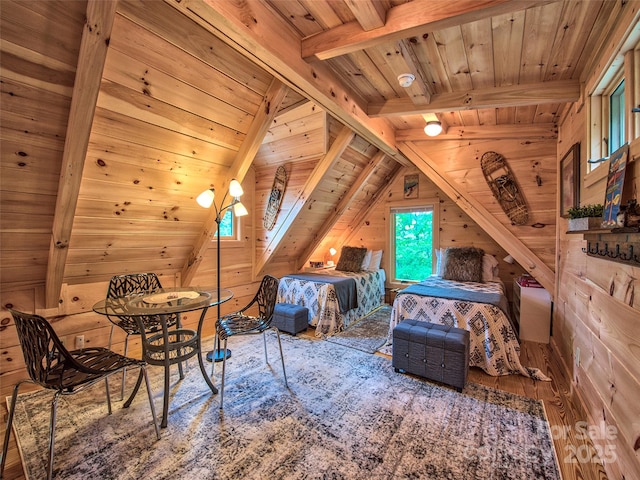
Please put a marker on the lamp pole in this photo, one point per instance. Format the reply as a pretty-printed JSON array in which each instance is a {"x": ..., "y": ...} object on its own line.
[
  {"x": 205, "y": 199},
  {"x": 218, "y": 355}
]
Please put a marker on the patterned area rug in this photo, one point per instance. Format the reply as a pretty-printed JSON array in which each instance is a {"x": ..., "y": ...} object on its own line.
[
  {"x": 367, "y": 334},
  {"x": 346, "y": 415}
]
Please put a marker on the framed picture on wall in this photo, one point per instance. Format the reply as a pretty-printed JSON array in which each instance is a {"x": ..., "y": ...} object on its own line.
[
  {"x": 570, "y": 180},
  {"x": 411, "y": 186}
]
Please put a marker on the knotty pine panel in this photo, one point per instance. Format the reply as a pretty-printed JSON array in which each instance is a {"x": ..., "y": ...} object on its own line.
[
  {"x": 135, "y": 226},
  {"x": 105, "y": 241},
  {"x": 112, "y": 124},
  {"x": 146, "y": 81},
  {"x": 28, "y": 28},
  {"x": 161, "y": 19},
  {"x": 179, "y": 210},
  {"x": 31, "y": 109},
  {"x": 152, "y": 51},
  {"x": 120, "y": 151},
  {"x": 124, "y": 100},
  {"x": 153, "y": 189}
]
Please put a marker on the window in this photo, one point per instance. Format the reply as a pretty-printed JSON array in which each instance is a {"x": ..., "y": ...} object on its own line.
[
  {"x": 229, "y": 227},
  {"x": 412, "y": 242},
  {"x": 616, "y": 118},
  {"x": 226, "y": 226}
]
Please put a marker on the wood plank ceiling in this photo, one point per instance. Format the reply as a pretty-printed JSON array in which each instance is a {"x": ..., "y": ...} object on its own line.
[{"x": 185, "y": 92}]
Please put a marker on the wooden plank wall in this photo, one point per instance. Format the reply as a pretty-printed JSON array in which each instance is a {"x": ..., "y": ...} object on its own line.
[
  {"x": 38, "y": 71},
  {"x": 532, "y": 161},
  {"x": 595, "y": 332},
  {"x": 456, "y": 229}
]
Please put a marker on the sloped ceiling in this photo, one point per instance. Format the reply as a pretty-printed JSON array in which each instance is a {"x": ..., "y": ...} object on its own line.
[{"x": 116, "y": 115}]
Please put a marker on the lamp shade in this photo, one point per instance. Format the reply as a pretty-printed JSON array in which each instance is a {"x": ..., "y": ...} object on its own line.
[
  {"x": 235, "y": 189},
  {"x": 239, "y": 210},
  {"x": 433, "y": 128},
  {"x": 205, "y": 199},
  {"x": 509, "y": 259},
  {"x": 332, "y": 251}
]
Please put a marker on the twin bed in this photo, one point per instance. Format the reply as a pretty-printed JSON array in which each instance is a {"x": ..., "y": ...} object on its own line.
[
  {"x": 466, "y": 292},
  {"x": 319, "y": 295}
]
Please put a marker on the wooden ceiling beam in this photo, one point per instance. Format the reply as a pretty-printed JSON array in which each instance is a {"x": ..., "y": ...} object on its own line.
[
  {"x": 370, "y": 14},
  {"x": 255, "y": 31},
  {"x": 336, "y": 150},
  {"x": 259, "y": 126},
  {"x": 482, "y": 132},
  {"x": 342, "y": 206},
  {"x": 560, "y": 91},
  {"x": 404, "y": 21},
  {"x": 485, "y": 220},
  {"x": 91, "y": 60}
]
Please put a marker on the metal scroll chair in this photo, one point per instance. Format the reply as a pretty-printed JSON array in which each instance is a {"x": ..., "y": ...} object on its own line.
[
  {"x": 238, "y": 323},
  {"x": 123, "y": 285},
  {"x": 52, "y": 366}
]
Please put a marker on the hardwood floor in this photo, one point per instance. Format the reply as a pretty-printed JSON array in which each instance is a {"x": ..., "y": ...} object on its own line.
[{"x": 571, "y": 449}]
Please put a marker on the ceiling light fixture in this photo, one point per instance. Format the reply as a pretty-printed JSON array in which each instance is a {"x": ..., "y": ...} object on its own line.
[
  {"x": 433, "y": 128},
  {"x": 406, "y": 79}
]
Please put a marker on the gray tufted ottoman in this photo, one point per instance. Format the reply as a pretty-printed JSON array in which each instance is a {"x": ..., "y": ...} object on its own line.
[
  {"x": 436, "y": 352},
  {"x": 290, "y": 318}
]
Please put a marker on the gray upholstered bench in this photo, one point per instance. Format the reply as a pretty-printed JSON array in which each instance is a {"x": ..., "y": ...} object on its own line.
[
  {"x": 436, "y": 352},
  {"x": 290, "y": 318}
]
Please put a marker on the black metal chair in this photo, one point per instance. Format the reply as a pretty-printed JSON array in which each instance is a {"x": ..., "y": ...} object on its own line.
[
  {"x": 123, "y": 285},
  {"x": 237, "y": 323},
  {"x": 53, "y": 367}
]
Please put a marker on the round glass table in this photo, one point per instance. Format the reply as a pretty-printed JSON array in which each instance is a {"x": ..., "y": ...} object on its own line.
[{"x": 167, "y": 346}]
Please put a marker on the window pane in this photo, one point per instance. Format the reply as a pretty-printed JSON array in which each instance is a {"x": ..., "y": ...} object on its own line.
[
  {"x": 226, "y": 225},
  {"x": 616, "y": 120},
  {"x": 413, "y": 244}
]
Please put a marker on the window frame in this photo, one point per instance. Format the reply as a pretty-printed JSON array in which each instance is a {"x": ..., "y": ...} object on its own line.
[
  {"x": 236, "y": 227},
  {"x": 408, "y": 205}
]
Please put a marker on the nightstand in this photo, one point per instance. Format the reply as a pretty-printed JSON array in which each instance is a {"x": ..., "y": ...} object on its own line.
[
  {"x": 318, "y": 269},
  {"x": 532, "y": 312}
]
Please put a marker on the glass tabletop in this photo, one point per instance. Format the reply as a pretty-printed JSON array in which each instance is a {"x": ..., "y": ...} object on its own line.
[{"x": 163, "y": 301}]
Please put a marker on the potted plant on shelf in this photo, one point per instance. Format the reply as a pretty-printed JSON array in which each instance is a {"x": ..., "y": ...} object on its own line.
[{"x": 586, "y": 217}]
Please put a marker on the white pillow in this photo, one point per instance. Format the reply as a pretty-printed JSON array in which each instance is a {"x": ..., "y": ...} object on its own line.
[
  {"x": 376, "y": 258},
  {"x": 439, "y": 253},
  {"x": 489, "y": 268},
  {"x": 366, "y": 261}
]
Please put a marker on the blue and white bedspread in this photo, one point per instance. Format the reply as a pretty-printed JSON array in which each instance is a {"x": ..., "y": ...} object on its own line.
[
  {"x": 494, "y": 346},
  {"x": 322, "y": 302}
]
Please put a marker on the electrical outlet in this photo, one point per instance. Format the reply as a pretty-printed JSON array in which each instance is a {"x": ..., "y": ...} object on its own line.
[
  {"x": 577, "y": 357},
  {"x": 79, "y": 342}
]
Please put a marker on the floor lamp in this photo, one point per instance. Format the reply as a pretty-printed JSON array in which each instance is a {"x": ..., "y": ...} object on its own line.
[{"x": 206, "y": 199}]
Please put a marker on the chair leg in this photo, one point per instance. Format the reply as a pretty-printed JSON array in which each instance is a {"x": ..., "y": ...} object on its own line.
[
  {"x": 264, "y": 340},
  {"x": 7, "y": 433},
  {"x": 106, "y": 384},
  {"x": 213, "y": 362},
  {"x": 52, "y": 433},
  {"x": 143, "y": 369},
  {"x": 224, "y": 364},
  {"x": 284, "y": 370},
  {"x": 124, "y": 370}
]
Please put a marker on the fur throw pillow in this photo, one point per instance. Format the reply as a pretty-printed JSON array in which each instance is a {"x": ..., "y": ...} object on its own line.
[
  {"x": 462, "y": 264},
  {"x": 351, "y": 259}
]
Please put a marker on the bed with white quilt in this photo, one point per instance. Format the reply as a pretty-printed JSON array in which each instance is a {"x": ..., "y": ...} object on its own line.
[
  {"x": 480, "y": 306},
  {"x": 336, "y": 298}
]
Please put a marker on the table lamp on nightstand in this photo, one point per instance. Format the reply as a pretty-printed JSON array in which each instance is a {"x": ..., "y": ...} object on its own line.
[{"x": 332, "y": 252}]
